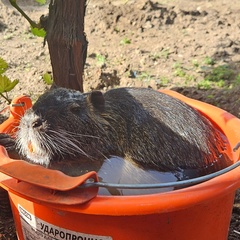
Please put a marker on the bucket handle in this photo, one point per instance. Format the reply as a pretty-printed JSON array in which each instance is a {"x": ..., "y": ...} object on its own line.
[{"x": 179, "y": 184}]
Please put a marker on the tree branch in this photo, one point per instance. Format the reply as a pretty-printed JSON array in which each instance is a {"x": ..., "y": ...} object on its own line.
[{"x": 32, "y": 23}]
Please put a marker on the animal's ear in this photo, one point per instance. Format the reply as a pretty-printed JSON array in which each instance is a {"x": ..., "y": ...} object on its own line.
[{"x": 96, "y": 99}]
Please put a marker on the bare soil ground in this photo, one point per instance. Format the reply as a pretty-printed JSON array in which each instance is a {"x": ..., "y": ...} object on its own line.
[{"x": 192, "y": 47}]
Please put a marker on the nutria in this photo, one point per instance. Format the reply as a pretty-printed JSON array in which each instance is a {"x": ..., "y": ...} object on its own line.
[{"x": 149, "y": 128}]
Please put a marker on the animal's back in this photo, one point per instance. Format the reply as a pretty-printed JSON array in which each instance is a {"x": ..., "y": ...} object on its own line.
[{"x": 163, "y": 132}]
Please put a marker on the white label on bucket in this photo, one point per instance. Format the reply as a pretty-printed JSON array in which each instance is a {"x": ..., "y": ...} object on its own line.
[{"x": 36, "y": 229}]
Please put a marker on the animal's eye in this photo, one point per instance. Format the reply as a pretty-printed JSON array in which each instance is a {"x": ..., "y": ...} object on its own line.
[{"x": 75, "y": 108}]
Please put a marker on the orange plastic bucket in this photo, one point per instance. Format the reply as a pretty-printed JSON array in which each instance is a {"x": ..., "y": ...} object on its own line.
[{"x": 48, "y": 205}]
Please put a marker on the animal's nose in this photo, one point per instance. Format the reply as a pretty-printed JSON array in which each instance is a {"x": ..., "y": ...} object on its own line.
[{"x": 37, "y": 123}]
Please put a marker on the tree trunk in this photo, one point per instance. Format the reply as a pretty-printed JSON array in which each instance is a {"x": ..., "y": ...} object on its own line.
[{"x": 67, "y": 42}]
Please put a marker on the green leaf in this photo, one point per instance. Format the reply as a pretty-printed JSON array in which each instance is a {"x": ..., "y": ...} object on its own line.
[
  {"x": 125, "y": 41},
  {"x": 42, "y": 2},
  {"x": 3, "y": 65},
  {"x": 6, "y": 84},
  {"x": 38, "y": 32},
  {"x": 48, "y": 78}
]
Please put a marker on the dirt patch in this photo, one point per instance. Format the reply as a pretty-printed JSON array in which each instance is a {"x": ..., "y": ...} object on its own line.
[{"x": 193, "y": 48}]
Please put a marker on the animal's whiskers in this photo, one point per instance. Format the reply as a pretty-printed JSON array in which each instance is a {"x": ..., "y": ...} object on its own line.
[
  {"x": 65, "y": 143},
  {"x": 73, "y": 134}
]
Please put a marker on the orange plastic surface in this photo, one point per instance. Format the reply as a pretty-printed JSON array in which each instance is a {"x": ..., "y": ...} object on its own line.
[
  {"x": 202, "y": 221},
  {"x": 40, "y": 176},
  {"x": 37, "y": 182},
  {"x": 45, "y": 195},
  {"x": 17, "y": 108}
]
